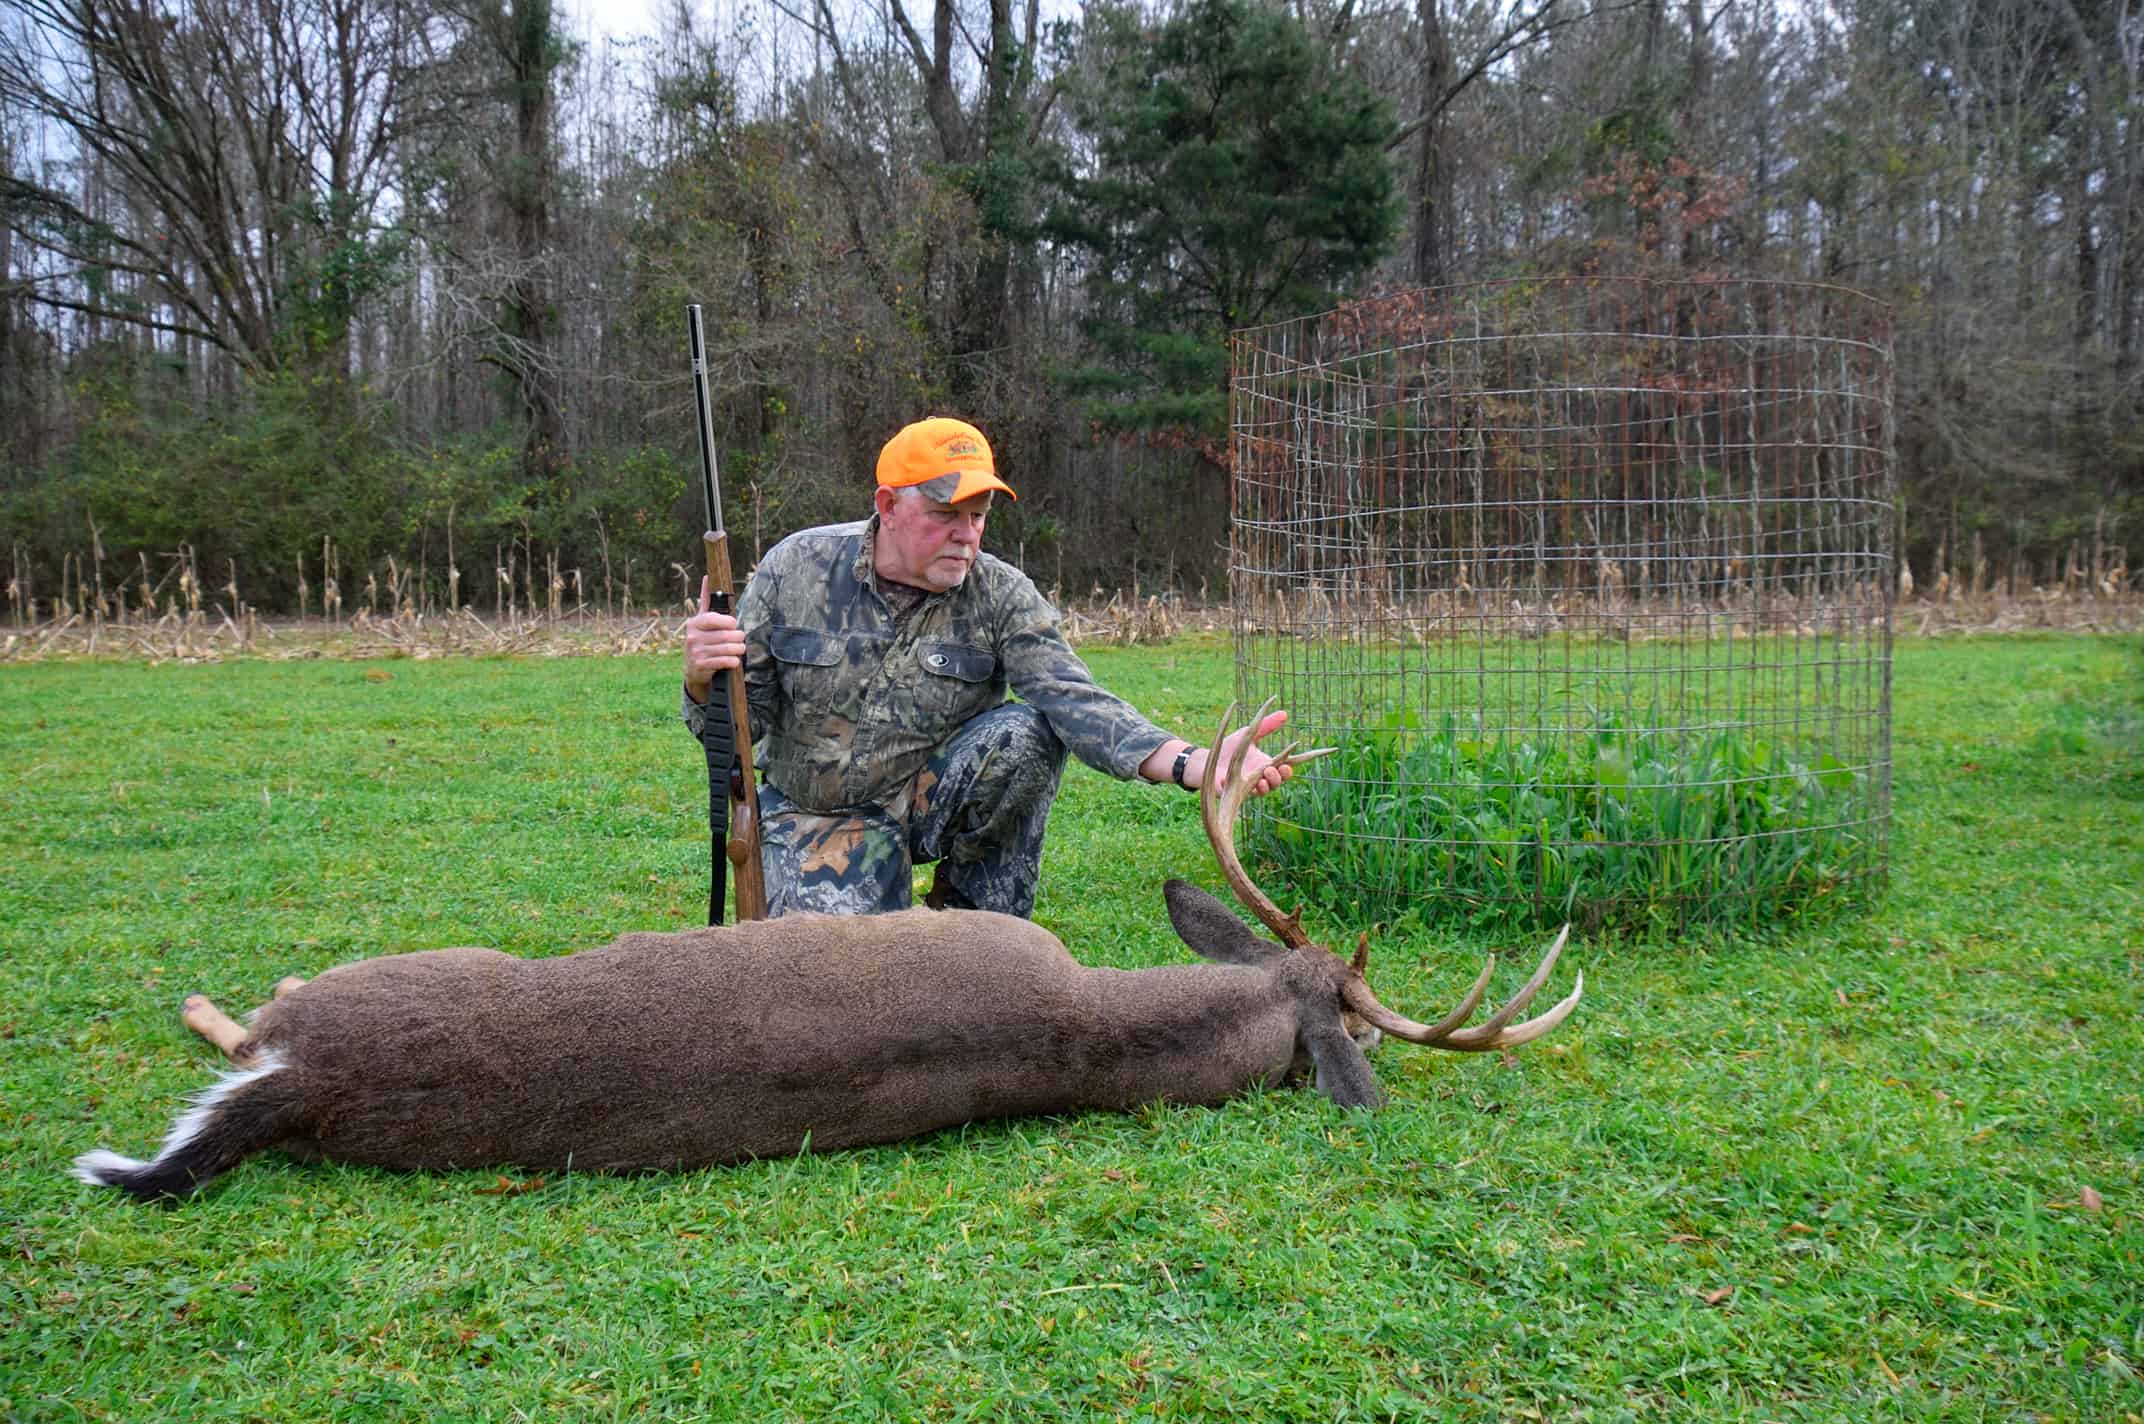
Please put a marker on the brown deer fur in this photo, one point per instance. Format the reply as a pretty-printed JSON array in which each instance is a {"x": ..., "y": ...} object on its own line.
[{"x": 665, "y": 1051}]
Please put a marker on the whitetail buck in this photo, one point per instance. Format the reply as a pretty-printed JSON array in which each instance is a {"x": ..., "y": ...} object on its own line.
[{"x": 706, "y": 1046}]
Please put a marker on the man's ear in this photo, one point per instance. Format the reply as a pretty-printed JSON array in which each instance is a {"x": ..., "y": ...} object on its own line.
[
  {"x": 883, "y": 500},
  {"x": 1207, "y": 926}
]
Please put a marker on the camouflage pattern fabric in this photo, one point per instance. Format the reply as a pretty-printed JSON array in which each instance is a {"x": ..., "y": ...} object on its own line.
[
  {"x": 852, "y": 709},
  {"x": 848, "y": 704},
  {"x": 978, "y": 808}
]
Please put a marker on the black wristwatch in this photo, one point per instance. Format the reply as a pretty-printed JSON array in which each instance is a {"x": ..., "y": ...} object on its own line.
[{"x": 1176, "y": 772}]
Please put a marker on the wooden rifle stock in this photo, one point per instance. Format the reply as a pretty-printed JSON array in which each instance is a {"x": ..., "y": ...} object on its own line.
[{"x": 741, "y": 845}]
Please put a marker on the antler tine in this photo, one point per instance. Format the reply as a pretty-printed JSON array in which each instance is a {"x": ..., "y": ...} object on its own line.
[
  {"x": 1356, "y": 994},
  {"x": 1491, "y": 1033},
  {"x": 1533, "y": 1028},
  {"x": 1289, "y": 755},
  {"x": 1221, "y": 796}
]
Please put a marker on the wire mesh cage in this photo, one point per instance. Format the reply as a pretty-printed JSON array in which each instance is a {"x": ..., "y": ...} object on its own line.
[{"x": 1590, "y": 582}]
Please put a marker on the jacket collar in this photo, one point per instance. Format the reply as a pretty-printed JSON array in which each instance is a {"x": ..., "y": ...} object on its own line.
[{"x": 866, "y": 569}]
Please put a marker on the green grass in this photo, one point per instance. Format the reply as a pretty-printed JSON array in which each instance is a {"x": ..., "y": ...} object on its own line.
[
  {"x": 1832, "y": 1174},
  {"x": 1626, "y": 821}
]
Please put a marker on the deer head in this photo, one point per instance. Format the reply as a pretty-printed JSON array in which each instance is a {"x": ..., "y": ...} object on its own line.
[{"x": 1221, "y": 796}]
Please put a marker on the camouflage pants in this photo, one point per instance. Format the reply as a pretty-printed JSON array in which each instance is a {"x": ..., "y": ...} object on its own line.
[{"x": 978, "y": 808}]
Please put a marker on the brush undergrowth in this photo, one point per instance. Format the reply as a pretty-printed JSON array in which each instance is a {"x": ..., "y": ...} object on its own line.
[{"x": 1626, "y": 820}]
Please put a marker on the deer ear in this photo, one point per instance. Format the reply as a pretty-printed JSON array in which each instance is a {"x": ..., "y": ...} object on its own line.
[
  {"x": 1209, "y": 927},
  {"x": 1344, "y": 1075}
]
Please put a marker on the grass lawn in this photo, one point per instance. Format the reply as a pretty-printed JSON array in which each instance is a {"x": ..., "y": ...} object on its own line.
[{"x": 1885, "y": 1170}]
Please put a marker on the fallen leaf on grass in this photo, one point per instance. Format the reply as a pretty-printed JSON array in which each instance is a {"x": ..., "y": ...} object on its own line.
[
  {"x": 508, "y": 1187},
  {"x": 1684, "y": 1238},
  {"x": 1718, "y": 1297},
  {"x": 2089, "y": 1199}
]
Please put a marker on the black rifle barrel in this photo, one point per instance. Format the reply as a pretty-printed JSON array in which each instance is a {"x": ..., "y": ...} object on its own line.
[{"x": 710, "y": 484}]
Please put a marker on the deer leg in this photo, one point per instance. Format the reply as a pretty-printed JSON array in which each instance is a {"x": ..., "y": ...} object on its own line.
[{"x": 218, "y": 1027}]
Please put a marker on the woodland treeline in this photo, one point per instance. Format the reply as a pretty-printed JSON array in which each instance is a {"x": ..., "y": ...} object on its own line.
[{"x": 360, "y": 280}]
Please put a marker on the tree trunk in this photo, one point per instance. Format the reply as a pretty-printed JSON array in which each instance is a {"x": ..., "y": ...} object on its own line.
[
  {"x": 1696, "y": 99},
  {"x": 1433, "y": 218},
  {"x": 528, "y": 41}
]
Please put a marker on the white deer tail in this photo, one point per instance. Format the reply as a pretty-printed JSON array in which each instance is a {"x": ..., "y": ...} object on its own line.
[{"x": 239, "y": 1114}]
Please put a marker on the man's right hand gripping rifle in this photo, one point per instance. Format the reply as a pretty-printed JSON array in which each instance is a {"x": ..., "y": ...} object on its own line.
[{"x": 713, "y": 643}]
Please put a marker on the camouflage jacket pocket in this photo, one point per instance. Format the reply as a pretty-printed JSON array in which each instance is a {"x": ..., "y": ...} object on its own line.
[
  {"x": 956, "y": 660},
  {"x": 814, "y": 671},
  {"x": 959, "y": 680}
]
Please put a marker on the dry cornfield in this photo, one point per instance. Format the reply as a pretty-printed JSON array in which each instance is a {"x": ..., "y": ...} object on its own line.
[{"x": 177, "y": 618}]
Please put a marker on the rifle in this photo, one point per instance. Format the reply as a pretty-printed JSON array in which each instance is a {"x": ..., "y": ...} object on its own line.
[{"x": 726, "y": 729}]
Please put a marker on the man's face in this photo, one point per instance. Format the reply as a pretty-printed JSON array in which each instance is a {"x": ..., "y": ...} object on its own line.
[{"x": 927, "y": 544}]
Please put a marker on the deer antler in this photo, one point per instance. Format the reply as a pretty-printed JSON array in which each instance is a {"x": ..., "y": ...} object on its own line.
[
  {"x": 1489, "y": 1034},
  {"x": 1221, "y": 797}
]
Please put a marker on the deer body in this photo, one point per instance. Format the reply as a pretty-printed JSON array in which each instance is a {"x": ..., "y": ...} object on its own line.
[
  {"x": 710, "y": 1046},
  {"x": 719, "y": 1045}
]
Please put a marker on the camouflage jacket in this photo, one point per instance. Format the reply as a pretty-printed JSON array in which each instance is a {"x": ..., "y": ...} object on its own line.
[{"x": 846, "y": 708}]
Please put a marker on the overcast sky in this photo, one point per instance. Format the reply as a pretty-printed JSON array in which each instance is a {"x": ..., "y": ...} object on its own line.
[{"x": 620, "y": 18}]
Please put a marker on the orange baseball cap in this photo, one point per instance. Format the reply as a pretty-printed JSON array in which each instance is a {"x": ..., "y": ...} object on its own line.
[{"x": 950, "y": 457}]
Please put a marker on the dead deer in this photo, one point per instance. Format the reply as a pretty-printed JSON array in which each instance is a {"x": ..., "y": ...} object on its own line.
[{"x": 665, "y": 1051}]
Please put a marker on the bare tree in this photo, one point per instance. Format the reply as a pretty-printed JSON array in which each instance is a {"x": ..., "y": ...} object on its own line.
[
  {"x": 509, "y": 56},
  {"x": 985, "y": 103},
  {"x": 247, "y": 147},
  {"x": 1492, "y": 34}
]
